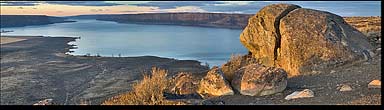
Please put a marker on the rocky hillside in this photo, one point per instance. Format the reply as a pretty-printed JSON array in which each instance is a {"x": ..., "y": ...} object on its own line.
[{"x": 26, "y": 20}]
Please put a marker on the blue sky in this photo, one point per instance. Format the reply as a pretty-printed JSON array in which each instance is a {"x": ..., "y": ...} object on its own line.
[{"x": 343, "y": 8}]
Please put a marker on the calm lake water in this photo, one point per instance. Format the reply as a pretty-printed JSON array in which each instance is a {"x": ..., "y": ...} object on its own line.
[{"x": 207, "y": 45}]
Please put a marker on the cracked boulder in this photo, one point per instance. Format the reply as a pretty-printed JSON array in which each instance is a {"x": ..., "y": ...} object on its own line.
[
  {"x": 214, "y": 84},
  {"x": 301, "y": 40},
  {"x": 259, "y": 80}
]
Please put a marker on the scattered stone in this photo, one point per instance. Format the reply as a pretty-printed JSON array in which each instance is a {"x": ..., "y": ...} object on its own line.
[
  {"x": 306, "y": 93},
  {"x": 301, "y": 40},
  {"x": 333, "y": 71},
  {"x": 214, "y": 84},
  {"x": 220, "y": 103},
  {"x": 344, "y": 87},
  {"x": 259, "y": 80},
  {"x": 378, "y": 50},
  {"x": 44, "y": 102},
  {"x": 374, "y": 84},
  {"x": 212, "y": 102},
  {"x": 316, "y": 72}
]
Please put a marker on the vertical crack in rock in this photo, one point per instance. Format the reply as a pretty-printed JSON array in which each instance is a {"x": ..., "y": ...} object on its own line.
[{"x": 277, "y": 29}]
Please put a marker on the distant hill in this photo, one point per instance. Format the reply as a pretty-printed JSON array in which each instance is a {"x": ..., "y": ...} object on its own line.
[
  {"x": 27, "y": 20},
  {"x": 238, "y": 21}
]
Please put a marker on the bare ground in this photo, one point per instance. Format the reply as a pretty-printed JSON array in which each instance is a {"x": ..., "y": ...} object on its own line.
[
  {"x": 324, "y": 85},
  {"x": 37, "y": 68},
  {"x": 5, "y": 40}
]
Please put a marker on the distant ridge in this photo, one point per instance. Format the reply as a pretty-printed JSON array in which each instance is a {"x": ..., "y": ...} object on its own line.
[
  {"x": 223, "y": 20},
  {"x": 27, "y": 20}
]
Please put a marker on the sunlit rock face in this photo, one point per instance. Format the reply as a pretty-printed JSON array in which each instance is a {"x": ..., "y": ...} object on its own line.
[
  {"x": 184, "y": 84},
  {"x": 259, "y": 80},
  {"x": 301, "y": 40},
  {"x": 214, "y": 84}
]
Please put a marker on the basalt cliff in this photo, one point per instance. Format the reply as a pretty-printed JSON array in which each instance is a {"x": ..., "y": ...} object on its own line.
[{"x": 222, "y": 20}]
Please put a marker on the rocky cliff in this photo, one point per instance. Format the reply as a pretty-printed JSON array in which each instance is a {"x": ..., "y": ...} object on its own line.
[
  {"x": 26, "y": 20},
  {"x": 237, "y": 21}
]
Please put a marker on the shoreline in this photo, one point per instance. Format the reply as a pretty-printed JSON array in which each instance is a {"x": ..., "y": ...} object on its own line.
[
  {"x": 73, "y": 46},
  {"x": 37, "y": 68}
]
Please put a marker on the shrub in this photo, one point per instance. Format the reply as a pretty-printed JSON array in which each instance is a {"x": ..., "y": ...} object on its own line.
[{"x": 150, "y": 91}]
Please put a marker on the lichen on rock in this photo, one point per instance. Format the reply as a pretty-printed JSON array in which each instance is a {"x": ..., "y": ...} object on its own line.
[
  {"x": 259, "y": 80},
  {"x": 214, "y": 84},
  {"x": 301, "y": 40}
]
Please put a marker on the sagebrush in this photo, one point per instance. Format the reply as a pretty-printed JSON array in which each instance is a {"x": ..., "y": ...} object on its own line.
[{"x": 149, "y": 91}]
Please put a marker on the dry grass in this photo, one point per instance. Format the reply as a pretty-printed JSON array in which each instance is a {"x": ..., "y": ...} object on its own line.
[
  {"x": 236, "y": 62},
  {"x": 150, "y": 91},
  {"x": 365, "y": 24},
  {"x": 6, "y": 40}
]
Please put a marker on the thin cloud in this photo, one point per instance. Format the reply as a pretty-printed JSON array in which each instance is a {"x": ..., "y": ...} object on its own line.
[
  {"x": 83, "y": 3},
  {"x": 18, "y": 3},
  {"x": 99, "y": 10},
  {"x": 363, "y": 8},
  {"x": 174, "y": 4}
]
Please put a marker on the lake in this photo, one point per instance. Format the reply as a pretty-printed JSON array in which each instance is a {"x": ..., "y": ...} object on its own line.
[{"x": 105, "y": 38}]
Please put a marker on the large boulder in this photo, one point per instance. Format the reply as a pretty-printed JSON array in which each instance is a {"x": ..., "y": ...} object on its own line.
[
  {"x": 214, "y": 84},
  {"x": 259, "y": 80},
  {"x": 301, "y": 40},
  {"x": 260, "y": 36}
]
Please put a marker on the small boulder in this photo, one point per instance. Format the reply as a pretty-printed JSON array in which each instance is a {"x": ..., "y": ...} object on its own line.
[
  {"x": 184, "y": 84},
  {"x": 344, "y": 87},
  {"x": 214, "y": 84},
  {"x": 259, "y": 80},
  {"x": 374, "y": 84},
  {"x": 306, "y": 93},
  {"x": 44, "y": 102}
]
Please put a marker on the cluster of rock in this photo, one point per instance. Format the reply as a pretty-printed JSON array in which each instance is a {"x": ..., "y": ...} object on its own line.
[
  {"x": 252, "y": 80},
  {"x": 287, "y": 40}
]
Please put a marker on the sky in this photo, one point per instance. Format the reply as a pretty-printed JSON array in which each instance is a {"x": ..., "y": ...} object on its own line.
[{"x": 71, "y": 8}]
